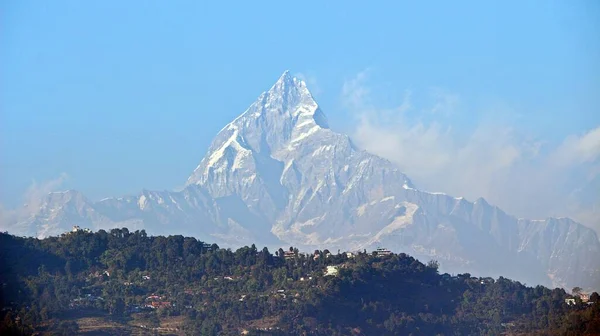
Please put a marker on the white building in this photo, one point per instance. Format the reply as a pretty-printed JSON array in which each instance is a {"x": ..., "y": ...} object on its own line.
[
  {"x": 331, "y": 270},
  {"x": 382, "y": 252}
]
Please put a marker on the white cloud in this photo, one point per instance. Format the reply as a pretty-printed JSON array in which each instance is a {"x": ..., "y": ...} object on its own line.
[
  {"x": 581, "y": 149},
  {"x": 492, "y": 160}
]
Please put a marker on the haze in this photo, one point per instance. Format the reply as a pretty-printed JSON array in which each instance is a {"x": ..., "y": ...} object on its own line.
[{"x": 468, "y": 98}]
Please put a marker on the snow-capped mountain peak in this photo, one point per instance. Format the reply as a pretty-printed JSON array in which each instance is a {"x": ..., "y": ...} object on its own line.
[
  {"x": 277, "y": 175},
  {"x": 280, "y": 119}
]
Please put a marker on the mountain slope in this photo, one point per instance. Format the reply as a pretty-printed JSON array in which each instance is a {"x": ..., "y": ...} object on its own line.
[{"x": 277, "y": 175}]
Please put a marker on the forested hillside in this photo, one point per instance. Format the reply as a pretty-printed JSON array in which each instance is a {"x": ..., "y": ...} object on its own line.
[{"x": 122, "y": 283}]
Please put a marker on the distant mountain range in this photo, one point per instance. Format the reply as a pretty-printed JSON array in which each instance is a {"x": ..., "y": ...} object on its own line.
[{"x": 278, "y": 176}]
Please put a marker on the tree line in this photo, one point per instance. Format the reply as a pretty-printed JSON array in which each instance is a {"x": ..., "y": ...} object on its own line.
[{"x": 125, "y": 275}]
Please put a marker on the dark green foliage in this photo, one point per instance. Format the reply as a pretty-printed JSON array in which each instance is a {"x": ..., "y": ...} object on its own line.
[{"x": 221, "y": 292}]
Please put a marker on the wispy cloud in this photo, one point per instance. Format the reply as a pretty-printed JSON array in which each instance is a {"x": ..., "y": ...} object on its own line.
[
  {"x": 584, "y": 148},
  {"x": 311, "y": 81},
  {"x": 37, "y": 191},
  {"x": 497, "y": 161},
  {"x": 445, "y": 103},
  {"x": 32, "y": 200},
  {"x": 354, "y": 93}
]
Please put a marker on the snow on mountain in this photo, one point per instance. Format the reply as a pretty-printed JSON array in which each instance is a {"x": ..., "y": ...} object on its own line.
[{"x": 278, "y": 176}]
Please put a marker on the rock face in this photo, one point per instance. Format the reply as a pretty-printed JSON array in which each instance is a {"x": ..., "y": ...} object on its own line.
[{"x": 278, "y": 176}]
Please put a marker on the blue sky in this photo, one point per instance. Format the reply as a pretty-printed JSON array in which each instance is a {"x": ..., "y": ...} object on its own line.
[{"x": 125, "y": 95}]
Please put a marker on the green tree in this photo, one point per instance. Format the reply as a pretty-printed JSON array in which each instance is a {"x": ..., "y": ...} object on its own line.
[
  {"x": 433, "y": 264},
  {"x": 280, "y": 276},
  {"x": 117, "y": 306}
]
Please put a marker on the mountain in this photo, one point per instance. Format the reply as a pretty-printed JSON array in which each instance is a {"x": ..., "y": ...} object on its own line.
[{"x": 279, "y": 176}]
